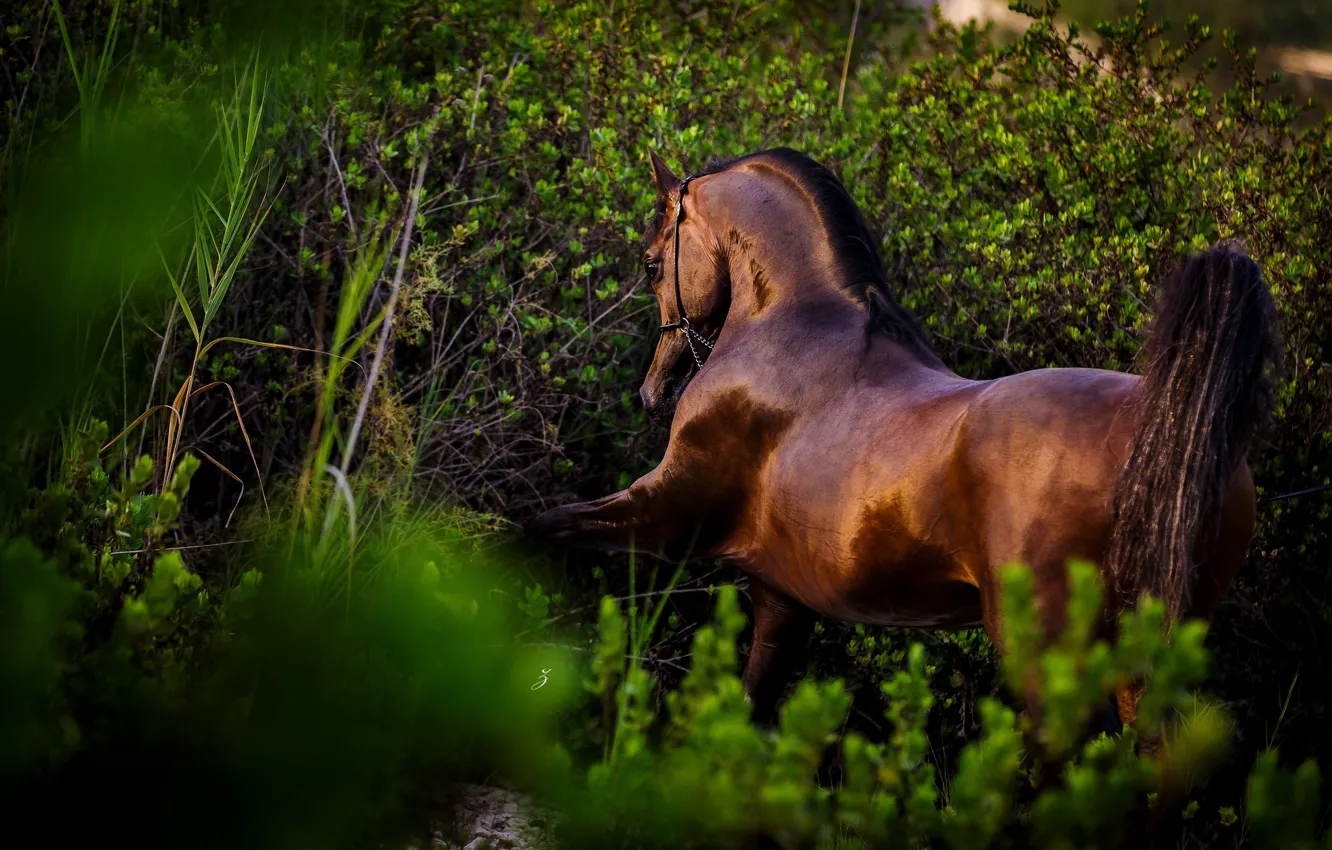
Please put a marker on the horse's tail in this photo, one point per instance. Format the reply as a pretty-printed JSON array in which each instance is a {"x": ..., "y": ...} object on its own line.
[{"x": 1206, "y": 389}]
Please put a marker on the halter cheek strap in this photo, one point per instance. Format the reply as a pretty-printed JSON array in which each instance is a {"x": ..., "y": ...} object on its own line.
[{"x": 683, "y": 325}]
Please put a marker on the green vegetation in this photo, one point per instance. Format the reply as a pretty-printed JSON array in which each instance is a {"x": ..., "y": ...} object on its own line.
[
  {"x": 366, "y": 277},
  {"x": 713, "y": 773}
]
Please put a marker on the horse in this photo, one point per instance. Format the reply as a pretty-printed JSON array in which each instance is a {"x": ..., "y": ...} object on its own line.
[{"x": 819, "y": 444}]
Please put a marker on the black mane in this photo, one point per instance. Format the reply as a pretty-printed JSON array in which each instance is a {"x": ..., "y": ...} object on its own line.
[{"x": 863, "y": 278}]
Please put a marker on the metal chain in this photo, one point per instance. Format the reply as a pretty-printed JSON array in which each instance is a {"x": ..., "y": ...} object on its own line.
[{"x": 690, "y": 336}]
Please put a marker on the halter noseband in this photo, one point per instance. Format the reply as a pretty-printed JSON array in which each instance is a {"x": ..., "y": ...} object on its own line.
[{"x": 683, "y": 324}]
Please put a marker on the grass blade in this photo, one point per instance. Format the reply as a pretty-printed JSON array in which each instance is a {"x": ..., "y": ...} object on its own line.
[
  {"x": 142, "y": 416},
  {"x": 79, "y": 72},
  {"x": 245, "y": 435},
  {"x": 181, "y": 299},
  {"x": 215, "y": 462}
]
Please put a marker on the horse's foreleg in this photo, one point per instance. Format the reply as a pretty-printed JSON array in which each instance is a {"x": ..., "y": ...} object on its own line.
[
  {"x": 781, "y": 634},
  {"x": 646, "y": 518}
]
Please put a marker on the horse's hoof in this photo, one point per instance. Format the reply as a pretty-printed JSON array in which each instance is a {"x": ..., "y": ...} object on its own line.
[
  {"x": 550, "y": 526},
  {"x": 537, "y": 528}
]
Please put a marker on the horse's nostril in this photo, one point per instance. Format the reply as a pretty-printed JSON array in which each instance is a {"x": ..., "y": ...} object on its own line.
[{"x": 646, "y": 398}]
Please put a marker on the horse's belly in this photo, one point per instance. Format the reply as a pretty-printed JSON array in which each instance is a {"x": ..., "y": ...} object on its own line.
[
  {"x": 908, "y": 595},
  {"x": 933, "y": 601}
]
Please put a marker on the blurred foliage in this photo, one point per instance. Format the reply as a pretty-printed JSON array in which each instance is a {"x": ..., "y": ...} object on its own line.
[
  {"x": 305, "y": 720},
  {"x": 1305, "y": 23},
  {"x": 1028, "y": 194}
]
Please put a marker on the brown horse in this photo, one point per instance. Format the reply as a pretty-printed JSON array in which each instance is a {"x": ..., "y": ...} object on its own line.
[{"x": 818, "y": 444}]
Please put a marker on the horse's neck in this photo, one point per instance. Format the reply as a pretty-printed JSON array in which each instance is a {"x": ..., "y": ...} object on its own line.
[
  {"x": 806, "y": 360},
  {"x": 806, "y": 311},
  {"x": 763, "y": 280},
  {"x": 787, "y": 285}
]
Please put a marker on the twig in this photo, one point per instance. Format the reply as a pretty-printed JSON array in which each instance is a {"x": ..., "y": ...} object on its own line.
[
  {"x": 604, "y": 314},
  {"x": 180, "y": 548},
  {"x": 846, "y": 61},
  {"x": 342, "y": 184}
]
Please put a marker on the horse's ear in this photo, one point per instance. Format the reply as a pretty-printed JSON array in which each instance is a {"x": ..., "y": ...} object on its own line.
[{"x": 662, "y": 175}]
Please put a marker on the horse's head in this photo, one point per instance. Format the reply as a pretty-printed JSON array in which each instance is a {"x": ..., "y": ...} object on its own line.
[{"x": 704, "y": 289}]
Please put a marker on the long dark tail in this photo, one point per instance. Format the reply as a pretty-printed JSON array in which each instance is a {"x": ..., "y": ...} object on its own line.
[{"x": 1207, "y": 388}]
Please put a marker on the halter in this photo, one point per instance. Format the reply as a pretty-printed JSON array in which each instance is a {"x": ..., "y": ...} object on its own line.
[{"x": 683, "y": 325}]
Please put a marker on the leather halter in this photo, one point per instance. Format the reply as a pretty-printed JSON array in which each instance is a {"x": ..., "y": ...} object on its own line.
[{"x": 683, "y": 325}]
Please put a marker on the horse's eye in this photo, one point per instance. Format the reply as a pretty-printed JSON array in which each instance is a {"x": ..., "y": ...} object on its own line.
[{"x": 651, "y": 267}]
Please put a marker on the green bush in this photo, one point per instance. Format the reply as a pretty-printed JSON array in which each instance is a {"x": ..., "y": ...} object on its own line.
[{"x": 713, "y": 779}]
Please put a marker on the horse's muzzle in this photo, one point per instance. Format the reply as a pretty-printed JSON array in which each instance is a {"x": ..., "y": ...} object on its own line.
[
  {"x": 662, "y": 410},
  {"x": 650, "y": 406},
  {"x": 661, "y": 397}
]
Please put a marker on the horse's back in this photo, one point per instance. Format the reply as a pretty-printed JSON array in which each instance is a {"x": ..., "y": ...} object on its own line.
[{"x": 1052, "y": 424}]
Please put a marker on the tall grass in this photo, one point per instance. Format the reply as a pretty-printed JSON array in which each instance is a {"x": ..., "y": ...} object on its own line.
[
  {"x": 91, "y": 73},
  {"x": 364, "y": 271},
  {"x": 639, "y": 637},
  {"x": 325, "y": 516},
  {"x": 226, "y": 214},
  {"x": 401, "y": 660}
]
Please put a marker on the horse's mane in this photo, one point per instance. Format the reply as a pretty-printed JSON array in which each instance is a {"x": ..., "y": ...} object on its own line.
[{"x": 862, "y": 278}]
